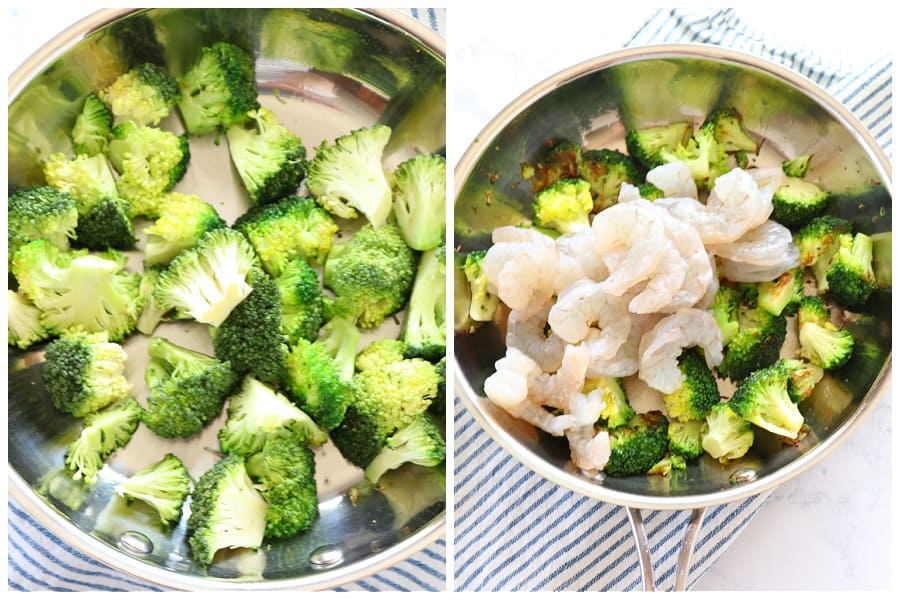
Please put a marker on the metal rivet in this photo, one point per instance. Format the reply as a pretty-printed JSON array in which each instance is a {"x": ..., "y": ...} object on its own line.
[
  {"x": 135, "y": 542},
  {"x": 745, "y": 475},
  {"x": 327, "y": 556}
]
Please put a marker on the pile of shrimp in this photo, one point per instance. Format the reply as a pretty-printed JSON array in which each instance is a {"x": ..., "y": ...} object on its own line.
[{"x": 625, "y": 296}]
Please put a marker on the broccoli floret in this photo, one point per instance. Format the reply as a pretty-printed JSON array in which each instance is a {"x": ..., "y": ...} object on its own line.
[
  {"x": 93, "y": 125},
  {"x": 104, "y": 432},
  {"x": 421, "y": 443},
  {"x": 152, "y": 314},
  {"x": 564, "y": 205},
  {"x": 371, "y": 274},
  {"x": 484, "y": 302},
  {"x": 686, "y": 438},
  {"x": 797, "y": 166},
  {"x": 639, "y": 445},
  {"x": 88, "y": 179},
  {"x": 562, "y": 162},
  {"x": 24, "y": 327},
  {"x": 645, "y": 144},
  {"x": 40, "y": 212},
  {"x": 290, "y": 227},
  {"x": 725, "y": 311},
  {"x": 419, "y": 200},
  {"x": 648, "y": 191},
  {"x": 269, "y": 158},
  {"x": 782, "y": 295},
  {"x": 667, "y": 463},
  {"x": 726, "y": 125},
  {"x": 812, "y": 309},
  {"x": 341, "y": 339},
  {"x": 302, "y": 301},
  {"x": 150, "y": 162},
  {"x": 347, "y": 177},
  {"x": 316, "y": 383},
  {"x": 84, "y": 372},
  {"x": 825, "y": 345},
  {"x": 438, "y": 405},
  {"x": 77, "y": 289},
  {"x": 756, "y": 345},
  {"x": 183, "y": 219},
  {"x": 851, "y": 279},
  {"x": 164, "y": 485},
  {"x": 606, "y": 170},
  {"x": 187, "y": 389},
  {"x": 218, "y": 90},
  {"x": 803, "y": 378},
  {"x": 616, "y": 412},
  {"x": 258, "y": 412},
  {"x": 703, "y": 155},
  {"x": 697, "y": 394},
  {"x": 728, "y": 435},
  {"x": 763, "y": 399},
  {"x": 796, "y": 202},
  {"x": 817, "y": 243},
  {"x": 106, "y": 225},
  {"x": 207, "y": 281},
  {"x": 227, "y": 511},
  {"x": 741, "y": 159},
  {"x": 144, "y": 94},
  {"x": 285, "y": 473},
  {"x": 250, "y": 337},
  {"x": 424, "y": 331},
  {"x": 390, "y": 391},
  {"x": 748, "y": 293}
]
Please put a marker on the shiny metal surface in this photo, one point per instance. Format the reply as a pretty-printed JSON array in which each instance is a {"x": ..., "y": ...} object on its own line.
[
  {"x": 324, "y": 72},
  {"x": 594, "y": 103}
]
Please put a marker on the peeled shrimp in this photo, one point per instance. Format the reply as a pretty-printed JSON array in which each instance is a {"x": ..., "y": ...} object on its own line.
[
  {"x": 558, "y": 389},
  {"x": 522, "y": 274},
  {"x": 555, "y": 425},
  {"x": 584, "y": 303},
  {"x": 589, "y": 450},
  {"x": 663, "y": 284},
  {"x": 507, "y": 386},
  {"x": 674, "y": 179},
  {"x": 525, "y": 332},
  {"x": 577, "y": 259},
  {"x": 747, "y": 273},
  {"x": 636, "y": 227},
  {"x": 766, "y": 244},
  {"x": 641, "y": 396},
  {"x": 700, "y": 271},
  {"x": 628, "y": 193},
  {"x": 586, "y": 408},
  {"x": 626, "y": 358},
  {"x": 661, "y": 346}
]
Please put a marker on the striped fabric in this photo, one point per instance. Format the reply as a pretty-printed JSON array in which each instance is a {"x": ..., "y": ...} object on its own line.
[
  {"x": 531, "y": 521},
  {"x": 39, "y": 561}
]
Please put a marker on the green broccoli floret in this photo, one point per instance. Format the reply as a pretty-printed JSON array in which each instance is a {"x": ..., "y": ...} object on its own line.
[
  {"x": 207, "y": 281},
  {"x": 726, "y": 125},
  {"x": 23, "y": 319},
  {"x": 763, "y": 399},
  {"x": 825, "y": 345},
  {"x": 562, "y": 162},
  {"x": 797, "y": 166},
  {"x": 317, "y": 383},
  {"x": 796, "y": 202},
  {"x": 812, "y": 309},
  {"x": 424, "y": 328},
  {"x": 187, "y": 389},
  {"x": 748, "y": 293},
  {"x": 285, "y": 474},
  {"x": 40, "y": 212},
  {"x": 564, "y": 205},
  {"x": 84, "y": 372},
  {"x": 756, "y": 345},
  {"x": 741, "y": 159},
  {"x": 686, "y": 438},
  {"x": 257, "y": 413},
  {"x": 782, "y": 295},
  {"x": 616, "y": 412},
  {"x": 152, "y": 314},
  {"x": 88, "y": 179},
  {"x": 817, "y": 243},
  {"x": 639, "y": 445},
  {"x": 77, "y": 289},
  {"x": 419, "y": 200},
  {"x": 93, "y": 125},
  {"x": 371, "y": 274},
  {"x": 164, "y": 485},
  {"x": 290, "y": 227},
  {"x": 725, "y": 311},
  {"x": 150, "y": 162},
  {"x": 484, "y": 302},
  {"x": 438, "y": 405},
  {"x": 803, "y": 378},
  {"x": 703, "y": 155},
  {"x": 421, "y": 443},
  {"x": 667, "y": 463},
  {"x": 104, "y": 432},
  {"x": 341, "y": 339},
  {"x": 645, "y": 144},
  {"x": 648, "y": 191},
  {"x": 107, "y": 225},
  {"x": 728, "y": 435},
  {"x": 882, "y": 250},
  {"x": 606, "y": 170},
  {"x": 390, "y": 391},
  {"x": 697, "y": 394},
  {"x": 183, "y": 219},
  {"x": 347, "y": 177},
  {"x": 219, "y": 89},
  {"x": 250, "y": 337},
  {"x": 269, "y": 158},
  {"x": 851, "y": 279},
  {"x": 145, "y": 94},
  {"x": 302, "y": 301},
  {"x": 227, "y": 511}
]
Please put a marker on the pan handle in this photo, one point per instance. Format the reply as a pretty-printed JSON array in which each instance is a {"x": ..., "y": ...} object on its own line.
[{"x": 683, "y": 567}]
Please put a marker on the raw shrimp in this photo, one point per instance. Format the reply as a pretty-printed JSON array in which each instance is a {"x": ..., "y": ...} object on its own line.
[
  {"x": 767, "y": 244},
  {"x": 523, "y": 275},
  {"x": 583, "y": 303},
  {"x": 586, "y": 408},
  {"x": 625, "y": 360},
  {"x": 637, "y": 227},
  {"x": 661, "y": 346},
  {"x": 528, "y": 411},
  {"x": 663, "y": 284},
  {"x": 558, "y": 389},
  {"x": 522, "y": 235},
  {"x": 525, "y": 331},
  {"x": 577, "y": 259},
  {"x": 641, "y": 397},
  {"x": 700, "y": 273},
  {"x": 628, "y": 193},
  {"x": 739, "y": 203},
  {"x": 507, "y": 386},
  {"x": 674, "y": 179},
  {"x": 747, "y": 273},
  {"x": 589, "y": 450}
]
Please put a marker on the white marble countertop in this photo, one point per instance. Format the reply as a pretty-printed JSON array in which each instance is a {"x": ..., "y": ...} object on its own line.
[{"x": 829, "y": 528}]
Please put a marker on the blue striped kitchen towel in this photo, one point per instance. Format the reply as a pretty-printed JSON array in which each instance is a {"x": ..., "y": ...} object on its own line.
[
  {"x": 39, "y": 561},
  {"x": 531, "y": 547}
]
